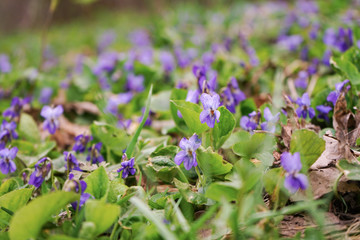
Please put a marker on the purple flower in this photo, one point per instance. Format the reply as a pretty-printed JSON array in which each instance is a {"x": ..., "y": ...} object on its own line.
[
  {"x": 51, "y": 116},
  {"x": 238, "y": 95},
  {"x": 124, "y": 123},
  {"x": 326, "y": 57},
  {"x": 148, "y": 120},
  {"x": 208, "y": 58},
  {"x": 16, "y": 107},
  {"x": 208, "y": 83},
  {"x": 42, "y": 169},
  {"x": 106, "y": 63},
  {"x": 250, "y": 123},
  {"x": 301, "y": 81},
  {"x": 188, "y": 152},
  {"x": 324, "y": 112},
  {"x": 115, "y": 101},
  {"x": 304, "y": 107},
  {"x": 45, "y": 95},
  {"x": 71, "y": 161},
  {"x": 79, "y": 186},
  {"x": 135, "y": 83},
  {"x": 140, "y": 38},
  {"x": 339, "y": 87},
  {"x": 80, "y": 142},
  {"x": 292, "y": 165},
  {"x": 344, "y": 40},
  {"x": 271, "y": 120},
  {"x": 7, "y": 132},
  {"x": 228, "y": 100},
  {"x": 105, "y": 40},
  {"x": 167, "y": 61},
  {"x": 94, "y": 155},
  {"x": 5, "y": 65},
  {"x": 210, "y": 112},
  {"x": 185, "y": 57},
  {"x": 290, "y": 42},
  {"x": 127, "y": 166},
  {"x": 6, "y": 160},
  {"x": 312, "y": 69}
]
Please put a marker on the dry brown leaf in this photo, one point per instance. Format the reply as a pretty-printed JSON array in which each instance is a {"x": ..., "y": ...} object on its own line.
[{"x": 331, "y": 153}]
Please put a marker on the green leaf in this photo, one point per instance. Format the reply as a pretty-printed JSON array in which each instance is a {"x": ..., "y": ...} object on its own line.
[
  {"x": 158, "y": 222},
  {"x": 42, "y": 150},
  {"x": 178, "y": 94},
  {"x": 347, "y": 64},
  {"x": 164, "y": 168},
  {"x": 116, "y": 190},
  {"x": 211, "y": 163},
  {"x": 28, "y": 221},
  {"x": 259, "y": 146},
  {"x": 236, "y": 137},
  {"x": 97, "y": 183},
  {"x": 247, "y": 106},
  {"x": 28, "y": 128},
  {"x": 350, "y": 170},
  {"x": 13, "y": 201},
  {"x": 10, "y": 185},
  {"x": 102, "y": 214},
  {"x": 219, "y": 190},
  {"x": 131, "y": 146},
  {"x": 189, "y": 195},
  {"x": 161, "y": 101},
  {"x": 111, "y": 137},
  {"x": 274, "y": 185},
  {"x": 308, "y": 144},
  {"x": 224, "y": 128},
  {"x": 191, "y": 115}
]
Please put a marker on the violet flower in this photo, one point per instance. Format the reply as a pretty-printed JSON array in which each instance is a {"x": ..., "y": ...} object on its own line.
[
  {"x": 271, "y": 120},
  {"x": 6, "y": 160},
  {"x": 81, "y": 142},
  {"x": 16, "y": 106},
  {"x": 324, "y": 112},
  {"x": 167, "y": 61},
  {"x": 292, "y": 165},
  {"x": 250, "y": 122},
  {"x": 7, "y": 132},
  {"x": 148, "y": 120},
  {"x": 304, "y": 107},
  {"x": 210, "y": 114},
  {"x": 127, "y": 166},
  {"x": 135, "y": 83},
  {"x": 106, "y": 63},
  {"x": 71, "y": 161},
  {"x": 238, "y": 95},
  {"x": 45, "y": 95},
  {"x": 188, "y": 152},
  {"x": 78, "y": 186},
  {"x": 301, "y": 81},
  {"x": 339, "y": 87},
  {"x": 5, "y": 65},
  {"x": 140, "y": 38},
  {"x": 94, "y": 155},
  {"x": 42, "y": 169},
  {"x": 290, "y": 43},
  {"x": 105, "y": 40},
  {"x": 51, "y": 116},
  {"x": 228, "y": 100},
  {"x": 114, "y": 102}
]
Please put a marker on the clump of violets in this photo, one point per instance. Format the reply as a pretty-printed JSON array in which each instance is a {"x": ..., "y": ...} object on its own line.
[
  {"x": 5, "y": 65},
  {"x": 250, "y": 122},
  {"x": 188, "y": 152},
  {"x": 210, "y": 114},
  {"x": 45, "y": 95},
  {"x": 16, "y": 106},
  {"x": 232, "y": 95},
  {"x": 78, "y": 186},
  {"x": 271, "y": 120},
  {"x": 42, "y": 169},
  {"x": 292, "y": 165},
  {"x": 301, "y": 81},
  {"x": 127, "y": 166},
  {"x": 135, "y": 83},
  {"x": 339, "y": 87},
  {"x": 167, "y": 61},
  {"x": 51, "y": 116},
  {"x": 71, "y": 163},
  {"x": 114, "y": 102},
  {"x": 304, "y": 108},
  {"x": 81, "y": 142},
  {"x": 7, "y": 133},
  {"x": 7, "y": 155},
  {"x": 94, "y": 155}
]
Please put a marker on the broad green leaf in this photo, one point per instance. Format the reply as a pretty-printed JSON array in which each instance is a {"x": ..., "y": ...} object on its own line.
[
  {"x": 28, "y": 128},
  {"x": 164, "y": 168},
  {"x": 191, "y": 115},
  {"x": 236, "y": 137},
  {"x": 62, "y": 237},
  {"x": 178, "y": 94},
  {"x": 161, "y": 101},
  {"x": 13, "y": 201},
  {"x": 42, "y": 149},
  {"x": 156, "y": 220},
  {"x": 350, "y": 170},
  {"x": 259, "y": 146},
  {"x": 28, "y": 221},
  {"x": 10, "y": 185},
  {"x": 131, "y": 146},
  {"x": 97, "y": 183},
  {"x": 219, "y": 190},
  {"x": 116, "y": 190},
  {"x": 347, "y": 64},
  {"x": 224, "y": 128},
  {"x": 112, "y": 137},
  {"x": 189, "y": 195},
  {"x": 247, "y": 106},
  {"x": 102, "y": 214},
  {"x": 308, "y": 144},
  {"x": 211, "y": 163},
  {"x": 274, "y": 185}
]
